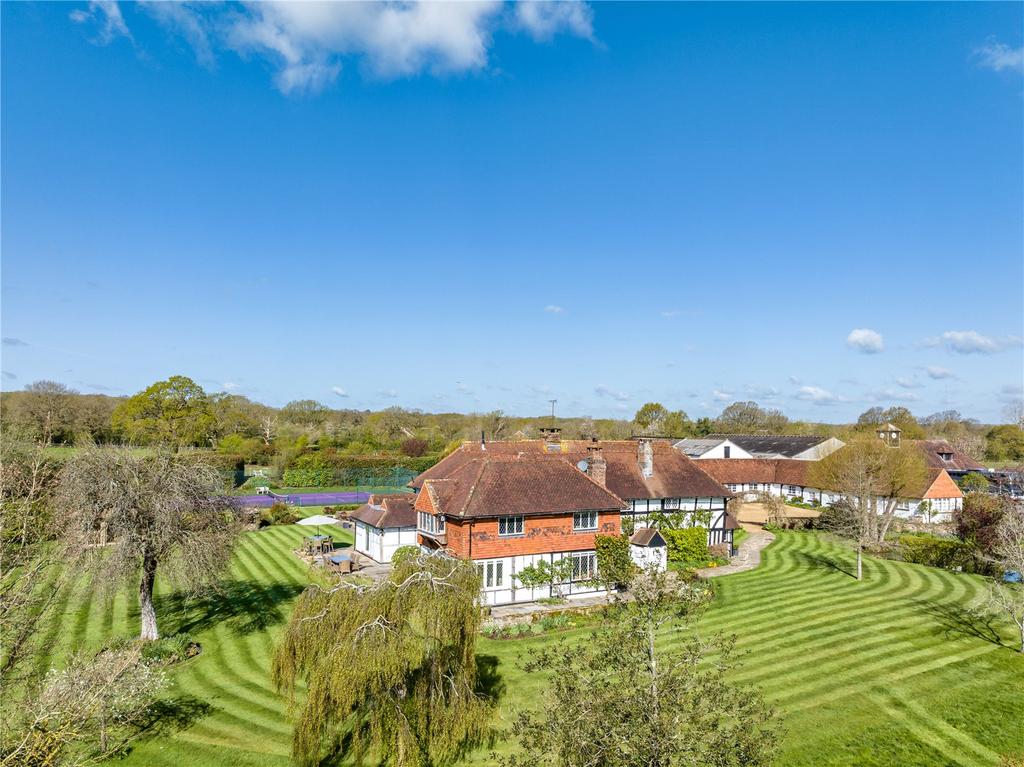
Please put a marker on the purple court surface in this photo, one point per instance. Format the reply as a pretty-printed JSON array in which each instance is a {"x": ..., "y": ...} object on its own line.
[{"x": 303, "y": 499}]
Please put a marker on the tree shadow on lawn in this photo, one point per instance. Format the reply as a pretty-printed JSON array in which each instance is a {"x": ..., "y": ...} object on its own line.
[
  {"x": 249, "y": 605},
  {"x": 173, "y": 715},
  {"x": 956, "y": 620},
  {"x": 820, "y": 562}
]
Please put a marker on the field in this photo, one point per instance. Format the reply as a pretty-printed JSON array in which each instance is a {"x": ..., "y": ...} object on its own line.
[{"x": 889, "y": 671}]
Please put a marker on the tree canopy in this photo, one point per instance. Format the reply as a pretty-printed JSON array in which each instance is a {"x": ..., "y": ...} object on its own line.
[
  {"x": 174, "y": 412},
  {"x": 749, "y": 417},
  {"x": 390, "y": 666},
  {"x": 156, "y": 510},
  {"x": 618, "y": 699}
]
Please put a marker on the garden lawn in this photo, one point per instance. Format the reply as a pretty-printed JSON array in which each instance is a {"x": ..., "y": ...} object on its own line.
[{"x": 889, "y": 671}]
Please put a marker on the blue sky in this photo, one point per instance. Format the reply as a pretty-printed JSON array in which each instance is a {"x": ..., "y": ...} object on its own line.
[{"x": 456, "y": 207}]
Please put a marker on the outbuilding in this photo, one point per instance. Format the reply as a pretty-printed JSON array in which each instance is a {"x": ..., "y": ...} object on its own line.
[
  {"x": 383, "y": 524},
  {"x": 647, "y": 547}
]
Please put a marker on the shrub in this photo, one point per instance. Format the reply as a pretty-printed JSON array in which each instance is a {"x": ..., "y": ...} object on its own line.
[
  {"x": 171, "y": 649},
  {"x": 974, "y": 482},
  {"x": 687, "y": 546},
  {"x": 977, "y": 521},
  {"x": 614, "y": 563},
  {"x": 719, "y": 551},
  {"x": 926, "y": 549},
  {"x": 278, "y": 514}
]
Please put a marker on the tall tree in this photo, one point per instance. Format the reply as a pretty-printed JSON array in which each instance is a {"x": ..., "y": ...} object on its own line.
[
  {"x": 136, "y": 513},
  {"x": 393, "y": 661},
  {"x": 620, "y": 699},
  {"x": 174, "y": 412},
  {"x": 48, "y": 409},
  {"x": 897, "y": 415},
  {"x": 650, "y": 417},
  {"x": 748, "y": 417},
  {"x": 872, "y": 478}
]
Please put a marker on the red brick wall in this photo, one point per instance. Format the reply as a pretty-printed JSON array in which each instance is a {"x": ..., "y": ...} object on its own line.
[{"x": 541, "y": 535}]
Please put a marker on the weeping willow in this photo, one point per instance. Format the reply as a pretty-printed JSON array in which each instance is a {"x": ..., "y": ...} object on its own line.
[{"x": 390, "y": 667}]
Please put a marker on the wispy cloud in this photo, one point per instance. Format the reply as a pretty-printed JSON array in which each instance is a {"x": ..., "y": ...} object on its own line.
[
  {"x": 891, "y": 395},
  {"x": 9, "y": 376},
  {"x": 721, "y": 396},
  {"x": 189, "y": 23},
  {"x": 388, "y": 393},
  {"x": 818, "y": 396},
  {"x": 604, "y": 391},
  {"x": 8, "y": 341},
  {"x": 105, "y": 16},
  {"x": 999, "y": 56},
  {"x": 938, "y": 373},
  {"x": 670, "y": 313},
  {"x": 906, "y": 382},
  {"x": 338, "y": 391},
  {"x": 972, "y": 342},
  {"x": 554, "y": 309},
  {"x": 230, "y": 386},
  {"x": 865, "y": 340}
]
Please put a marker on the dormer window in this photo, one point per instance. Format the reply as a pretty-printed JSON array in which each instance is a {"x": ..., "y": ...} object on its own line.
[{"x": 946, "y": 456}]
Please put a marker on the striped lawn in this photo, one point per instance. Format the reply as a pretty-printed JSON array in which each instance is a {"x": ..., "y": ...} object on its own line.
[{"x": 890, "y": 671}]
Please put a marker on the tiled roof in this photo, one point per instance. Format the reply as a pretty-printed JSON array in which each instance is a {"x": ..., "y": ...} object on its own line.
[
  {"x": 528, "y": 486},
  {"x": 932, "y": 448},
  {"x": 647, "y": 536},
  {"x": 674, "y": 476},
  {"x": 739, "y": 471},
  {"x": 382, "y": 511}
]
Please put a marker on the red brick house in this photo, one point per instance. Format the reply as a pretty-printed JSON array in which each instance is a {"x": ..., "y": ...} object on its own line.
[
  {"x": 506, "y": 504},
  {"x": 507, "y": 513}
]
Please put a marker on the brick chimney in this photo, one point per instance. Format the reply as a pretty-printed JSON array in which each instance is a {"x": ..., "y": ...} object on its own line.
[
  {"x": 645, "y": 457},
  {"x": 597, "y": 466}
]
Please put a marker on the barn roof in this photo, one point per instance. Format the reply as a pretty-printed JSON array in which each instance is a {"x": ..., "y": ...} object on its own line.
[
  {"x": 934, "y": 449},
  {"x": 772, "y": 445}
]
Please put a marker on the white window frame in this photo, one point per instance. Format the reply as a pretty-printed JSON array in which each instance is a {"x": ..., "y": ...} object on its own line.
[
  {"x": 492, "y": 573},
  {"x": 590, "y": 557},
  {"x": 583, "y": 521},
  {"x": 517, "y": 523}
]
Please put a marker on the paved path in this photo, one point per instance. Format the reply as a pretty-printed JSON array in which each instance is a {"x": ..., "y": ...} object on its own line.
[{"x": 747, "y": 558}]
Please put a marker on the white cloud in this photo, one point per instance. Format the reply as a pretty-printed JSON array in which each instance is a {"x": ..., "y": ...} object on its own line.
[
  {"x": 462, "y": 388},
  {"x": 106, "y": 16},
  {"x": 339, "y": 391},
  {"x": 999, "y": 56},
  {"x": 670, "y": 313},
  {"x": 554, "y": 309},
  {"x": 972, "y": 342},
  {"x": 229, "y": 386},
  {"x": 761, "y": 392},
  {"x": 388, "y": 393},
  {"x": 818, "y": 396},
  {"x": 721, "y": 396},
  {"x": 544, "y": 20},
  {"x": 795, "y": 380},
  {"x": 865, "y": 341},
  {"x": 307, "y": 42},
  {"x": 603, "y": 391},
  {"x": 938, "y": 373}
]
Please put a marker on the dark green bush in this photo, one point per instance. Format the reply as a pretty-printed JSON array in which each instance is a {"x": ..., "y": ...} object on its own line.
[
  {"x": 279, "y": 514},
  {"x": 927, "y": 549}
]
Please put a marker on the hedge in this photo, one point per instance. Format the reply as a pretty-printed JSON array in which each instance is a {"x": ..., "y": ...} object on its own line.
[
  {"x": 925, "y": 549},
  {"x": 689, "y": 545},
  {"x": 324, "y": 468},
  {"x": 614, "y": 563}
]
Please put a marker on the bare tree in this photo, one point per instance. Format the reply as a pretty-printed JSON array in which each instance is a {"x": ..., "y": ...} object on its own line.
[
  {"x": 84, "y": 713},
  {"x": 268, "y": 427},
  {"x": 141, "y": 512},
  {"x": 1014, "y": 413},
  {"x": 872, "y": 479},
  {"x": 48, "y": 408},
  {"x": 28, "y": 479},
  {"x": 1008, "y": 597}
]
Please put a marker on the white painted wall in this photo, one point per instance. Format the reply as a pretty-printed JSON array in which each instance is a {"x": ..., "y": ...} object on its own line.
[
  {"x": 380, "y": 544},
  {"x": 509, "y": 591},
  {"x": 645, "y": 556},
  {"x": 718, "y": 451}
]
